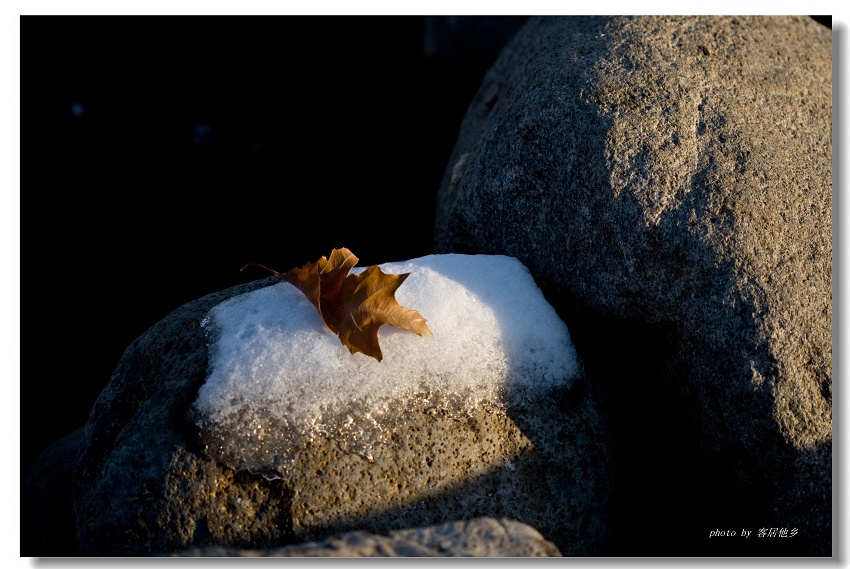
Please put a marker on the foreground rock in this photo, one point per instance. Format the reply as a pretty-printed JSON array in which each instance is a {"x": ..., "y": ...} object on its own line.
[
  {"x": 481, "y": 537},
  {"x": 48, "y": 524},
  {"x": 145, "y": 485},
  {"x": 668, "y": 182}
]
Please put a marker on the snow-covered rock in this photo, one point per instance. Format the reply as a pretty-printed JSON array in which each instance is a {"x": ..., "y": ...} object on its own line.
[
  {"x": 278, "y": 379},
  {"x": 227, "y": 423}
]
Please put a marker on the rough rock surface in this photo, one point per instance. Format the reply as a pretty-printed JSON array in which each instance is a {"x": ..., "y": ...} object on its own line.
[
  {"x": 47, "y": 515},
  {"x": 667, "y": 180},
  {"x": 144, "y": 484},
  {"x": 480, "y": 537}
]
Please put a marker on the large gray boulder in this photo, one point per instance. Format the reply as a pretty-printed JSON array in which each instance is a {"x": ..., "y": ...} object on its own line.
[
  {"x": 667, "y": 180},
  {"x": 147, "y": 482}
]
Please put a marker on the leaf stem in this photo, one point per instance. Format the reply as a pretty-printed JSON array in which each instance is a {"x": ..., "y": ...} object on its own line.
[{"x": 261, "y": 266}]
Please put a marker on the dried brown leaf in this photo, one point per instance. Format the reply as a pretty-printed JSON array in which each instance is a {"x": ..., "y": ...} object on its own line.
[{"x": 354, "y": 306}]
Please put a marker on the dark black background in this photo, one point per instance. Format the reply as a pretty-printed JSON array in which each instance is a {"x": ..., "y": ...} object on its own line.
[{"x": 160, "y": 154}]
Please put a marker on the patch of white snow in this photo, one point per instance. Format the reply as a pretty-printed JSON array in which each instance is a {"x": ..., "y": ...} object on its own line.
[{"x": 277, "y": 377}]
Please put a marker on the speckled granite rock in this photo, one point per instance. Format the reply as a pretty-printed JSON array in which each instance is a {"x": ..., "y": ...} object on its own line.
[
  {"x": 134, "y": 481},
  {"x": 145, "y": 485},
  {"x": 674, "y": 174},
  {"x": 481, "y": 537}
]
